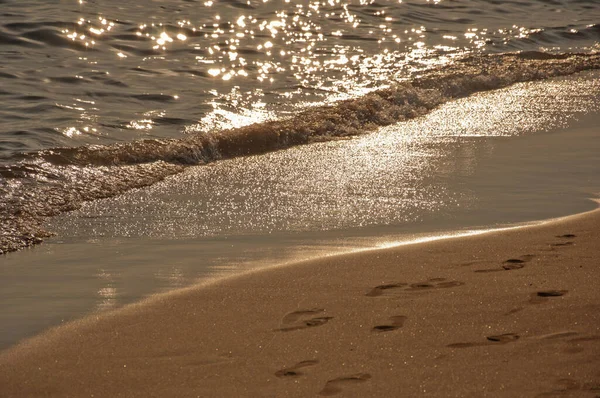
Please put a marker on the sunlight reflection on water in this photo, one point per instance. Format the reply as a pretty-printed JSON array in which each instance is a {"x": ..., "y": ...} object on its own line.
[{"x": 200, "y": 66}]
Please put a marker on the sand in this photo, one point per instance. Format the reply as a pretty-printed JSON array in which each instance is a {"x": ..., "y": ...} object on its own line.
[{"x": 503, "y": 314}]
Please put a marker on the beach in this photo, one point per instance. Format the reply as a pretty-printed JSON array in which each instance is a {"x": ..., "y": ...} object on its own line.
[
  {"x": 274, "y": 198},
  {"x": 503, "y": 314}
]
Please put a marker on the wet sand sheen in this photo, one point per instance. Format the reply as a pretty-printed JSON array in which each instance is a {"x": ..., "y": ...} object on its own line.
[{"x": 412, "y": 320}]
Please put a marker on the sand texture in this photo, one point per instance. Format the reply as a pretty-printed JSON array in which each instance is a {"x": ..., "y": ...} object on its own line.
[{"x": 504, "y": 314}]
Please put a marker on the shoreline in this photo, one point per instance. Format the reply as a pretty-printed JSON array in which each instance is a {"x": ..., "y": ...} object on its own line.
[
  {"x": 267, "y": 209},
  {"x": 519, "y": 304}
]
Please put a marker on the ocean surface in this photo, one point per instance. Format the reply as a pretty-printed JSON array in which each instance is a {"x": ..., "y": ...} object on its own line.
[{"x": 238, "y": 132}]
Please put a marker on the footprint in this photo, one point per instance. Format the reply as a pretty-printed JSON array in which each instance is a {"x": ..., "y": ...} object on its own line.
[
  {"x": 420, "y": 286},
  {"x": 447, "y": 284},
  {"x": 572, "y": 339},
  {"x": 552, "y": 293},
  {"x": 379, "y": 290},
  {"x": 336, "y": 386},
  {"x": 491, "y": 340},
  {"x": 517, "y": 263},
  {"x": 303, "y": 319},
  {"x": 542, "y": 296},
  {"x": 539, "y": 298},
  {"x": 296, "y": 315},
  {"x": 294, "y": 371},
  {"x": 433, "y": 283},
  {"x": 513, "y": 263},
  {"x": 565, "y": 236},
  {"x": 397, "y": 323},
  {"x": 561, "y": 244},
  {"x": 504, "y": 338},
  {"x": 510, "y": 264}
]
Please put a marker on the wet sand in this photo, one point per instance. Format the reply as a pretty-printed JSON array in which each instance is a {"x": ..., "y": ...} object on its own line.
[{"x": 511, "y": 313}]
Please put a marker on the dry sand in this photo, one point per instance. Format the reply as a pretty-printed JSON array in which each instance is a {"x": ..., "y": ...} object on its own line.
[{"x": 504, "y": 314}]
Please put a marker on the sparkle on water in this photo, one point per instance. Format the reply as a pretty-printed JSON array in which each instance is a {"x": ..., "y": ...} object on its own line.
[{"x": 262, "y": 53}]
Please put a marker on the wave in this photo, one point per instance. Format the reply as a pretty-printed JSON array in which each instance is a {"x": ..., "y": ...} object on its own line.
[{"x": 46, "y": 183}]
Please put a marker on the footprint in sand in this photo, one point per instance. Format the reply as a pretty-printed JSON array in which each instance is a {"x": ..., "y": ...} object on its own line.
[
  {"x": 573, "y": 340},
  {"x": 544, "y": 295},
  {"x": 551, "y": 293},
  {"x": 397, "y": 323},
  {"x": 336, "y": 386},
  {"x": 563, "y": 243},
  {"x": 434, "y": 283},
  {"x": 379, "y": 290},
  {"x": 303, "y": 319},
  {"x": 491, "y": 340},
  {"x": 510, "y": 264},
  {"x": 294, "y": 371},
  {"x": 539, "y": 298}
]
